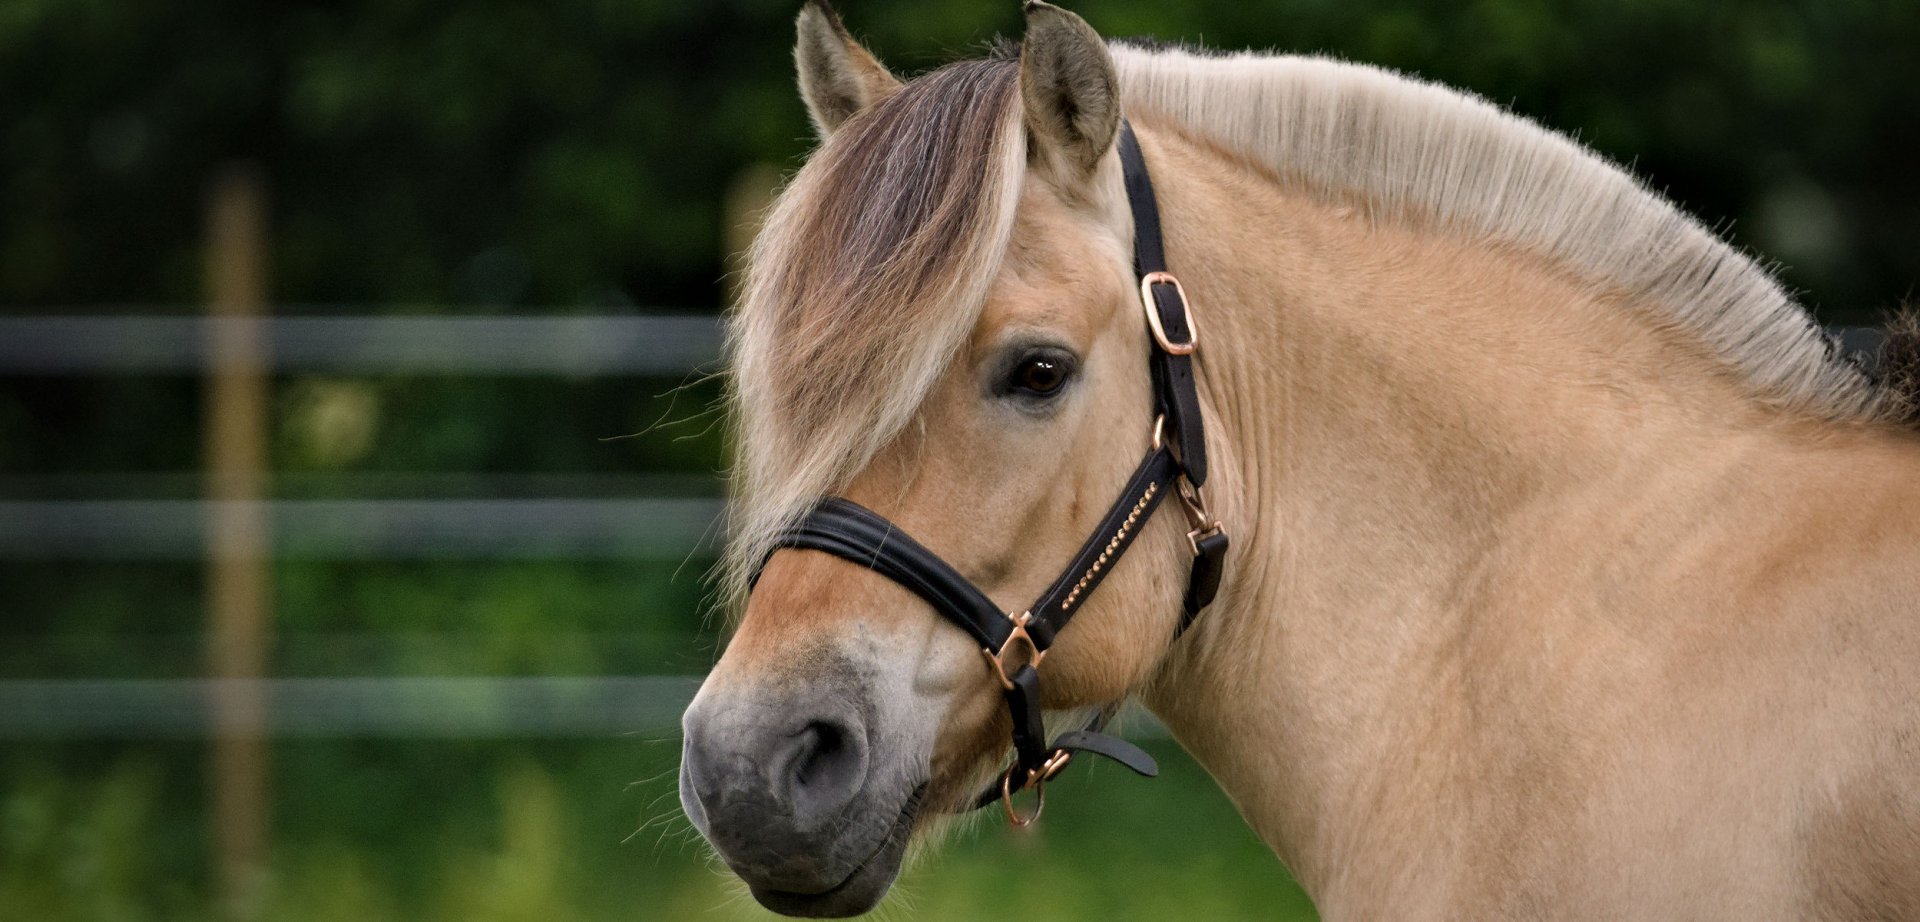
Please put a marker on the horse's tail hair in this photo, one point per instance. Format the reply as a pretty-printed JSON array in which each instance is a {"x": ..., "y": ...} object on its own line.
[{"x": 1900, "y": 362}]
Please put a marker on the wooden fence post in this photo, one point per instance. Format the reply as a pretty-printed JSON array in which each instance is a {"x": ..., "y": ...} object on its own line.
[{"x": 239, "y": 540}]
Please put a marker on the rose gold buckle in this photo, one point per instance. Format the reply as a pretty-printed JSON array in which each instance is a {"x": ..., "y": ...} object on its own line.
[
  {"x": 1195, "y": 504},
  {"x": 1195, "y": 536},
  {"x": 1054, "y": 764},
  {"x": 998, "y": 659},
  {"x": 1153, "y": 313},
  {"x": 1036, "y": 779}
]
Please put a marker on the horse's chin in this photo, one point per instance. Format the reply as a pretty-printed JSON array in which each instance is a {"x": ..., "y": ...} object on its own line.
[{"x": 865, "y": 886}]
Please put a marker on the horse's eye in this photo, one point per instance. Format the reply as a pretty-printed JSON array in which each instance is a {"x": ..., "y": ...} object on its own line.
[{"x": 1040, "y": 375}]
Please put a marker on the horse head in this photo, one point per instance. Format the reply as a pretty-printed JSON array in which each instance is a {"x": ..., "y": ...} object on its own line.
[{"x": 942, "y": 325}]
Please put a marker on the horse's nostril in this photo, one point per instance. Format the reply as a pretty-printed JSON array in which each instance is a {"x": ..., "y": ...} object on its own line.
[
  {"x": 821, "y": 745},
  {"x": 826, "y": 769}
]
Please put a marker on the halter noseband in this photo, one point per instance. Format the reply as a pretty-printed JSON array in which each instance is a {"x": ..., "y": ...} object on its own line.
[{"x": 850, "y": 531}]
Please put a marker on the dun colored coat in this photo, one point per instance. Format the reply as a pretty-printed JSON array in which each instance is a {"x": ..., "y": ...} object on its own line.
[{"x": 1574, "y": 576}]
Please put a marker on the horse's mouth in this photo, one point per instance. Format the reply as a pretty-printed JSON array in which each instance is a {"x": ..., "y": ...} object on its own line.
[{"x": 865, "y": 885}]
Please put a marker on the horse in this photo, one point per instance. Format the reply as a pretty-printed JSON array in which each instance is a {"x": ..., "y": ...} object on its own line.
[{"x": 1574, "y": 573}]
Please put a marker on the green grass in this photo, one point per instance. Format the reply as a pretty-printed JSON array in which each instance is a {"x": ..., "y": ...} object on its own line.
[
  {"x": 584, "y": 830},
  {"x": 377, "y": 830},
  {"x": 146, "y": 619}
]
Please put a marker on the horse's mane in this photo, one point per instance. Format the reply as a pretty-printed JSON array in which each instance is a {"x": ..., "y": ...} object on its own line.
[
  {"x": 872, "y": 267},
  {"x": 1900, "y": 362},
  {"x": 863, "y": 283},
  {"x": 1412, "y": 151}
]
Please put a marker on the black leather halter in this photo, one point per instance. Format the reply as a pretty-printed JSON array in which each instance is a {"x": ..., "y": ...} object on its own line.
[{"x": 1176, "y": 463}]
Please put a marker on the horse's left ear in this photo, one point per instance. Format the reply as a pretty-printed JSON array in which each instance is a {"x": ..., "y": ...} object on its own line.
[
  {"x": 839, "y": 77},
  {"x": 1069, "y": 91}
]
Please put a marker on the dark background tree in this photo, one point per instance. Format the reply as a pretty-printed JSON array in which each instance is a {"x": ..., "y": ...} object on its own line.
[{"x": 506, "y": 153}]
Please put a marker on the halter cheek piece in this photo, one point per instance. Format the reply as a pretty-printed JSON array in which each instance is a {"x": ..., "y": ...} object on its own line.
[{"x": 1015, "y": 645}]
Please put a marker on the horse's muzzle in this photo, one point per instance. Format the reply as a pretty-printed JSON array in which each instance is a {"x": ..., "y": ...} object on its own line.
[{"x": 786, "y": 789}]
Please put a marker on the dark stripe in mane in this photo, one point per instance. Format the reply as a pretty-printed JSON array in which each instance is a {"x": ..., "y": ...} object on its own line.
[
  {"x": 885, "y": 204},
  {"x": 864, "y": 283}
]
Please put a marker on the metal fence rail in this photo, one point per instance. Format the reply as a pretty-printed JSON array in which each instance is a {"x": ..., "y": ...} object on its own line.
[
  {"x": 412, "y": 706},
  {"x": 663, "y": 345},
  {"x": 436, "y": 707},
  {"x": 651, "y": 527},
  {"x": 395, "y": 529}
]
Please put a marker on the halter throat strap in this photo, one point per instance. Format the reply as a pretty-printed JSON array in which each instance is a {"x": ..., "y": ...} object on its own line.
[{"x": 1016, "y": 644}]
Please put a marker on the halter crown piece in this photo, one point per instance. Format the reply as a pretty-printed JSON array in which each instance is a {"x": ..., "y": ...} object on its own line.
[{"x": 1175, "y": 463}]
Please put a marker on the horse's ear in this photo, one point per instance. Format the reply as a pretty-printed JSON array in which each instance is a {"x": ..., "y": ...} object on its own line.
[
  {"x": 838, "y": 77},
  {"x": 1069, "y": 91}
]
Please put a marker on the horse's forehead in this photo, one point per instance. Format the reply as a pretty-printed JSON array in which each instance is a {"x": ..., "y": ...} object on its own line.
[{"x": 1061, "y": 274}]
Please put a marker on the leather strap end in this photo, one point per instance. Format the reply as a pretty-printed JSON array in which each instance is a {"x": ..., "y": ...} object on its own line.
[
  {"x": 1203, "y": 582},
  {"x": 1112, "y": 747}
]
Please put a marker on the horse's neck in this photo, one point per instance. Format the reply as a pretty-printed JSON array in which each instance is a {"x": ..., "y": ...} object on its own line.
[{"x": 1389, "y": 407}]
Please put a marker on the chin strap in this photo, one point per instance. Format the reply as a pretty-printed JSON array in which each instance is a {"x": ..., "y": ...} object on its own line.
[
  {"x": 1016, "y": 644},
  {"x": 1057, "y": 755}
]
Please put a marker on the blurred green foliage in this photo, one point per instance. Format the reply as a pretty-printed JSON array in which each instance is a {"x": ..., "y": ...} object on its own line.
[
  {"x": 507, "y": 152},
  {"x": 379, "y": 831},
  {"x": 491, "y": 155}
]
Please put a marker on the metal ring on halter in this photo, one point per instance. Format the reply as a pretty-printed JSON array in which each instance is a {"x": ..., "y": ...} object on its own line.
[
  {"x": 1036, "y": 779},
  {"x": 1006, "y": 801}
]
